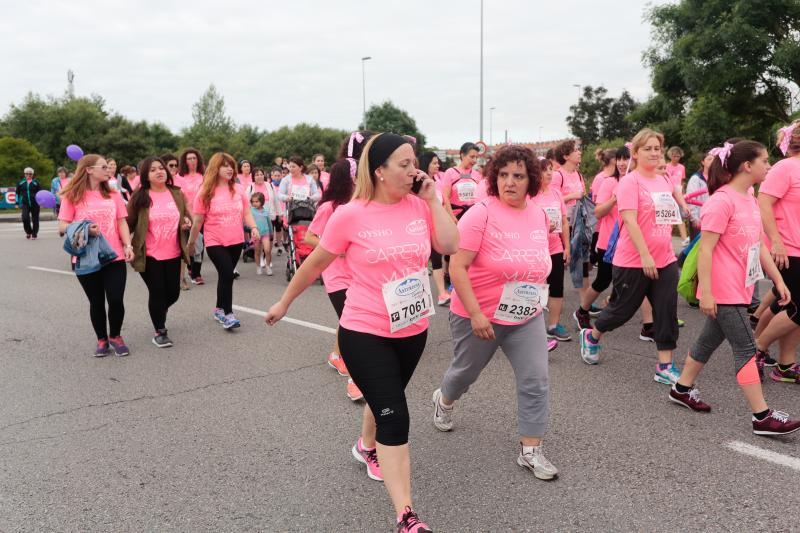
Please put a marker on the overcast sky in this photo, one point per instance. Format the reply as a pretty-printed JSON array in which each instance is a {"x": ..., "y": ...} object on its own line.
[{"x": 284, "y": 62}]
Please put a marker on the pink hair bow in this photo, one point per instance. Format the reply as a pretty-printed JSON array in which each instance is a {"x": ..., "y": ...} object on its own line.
[
  {"x": 541, "y": 158},
  {"x": 722, "y": 153},
  {"x": 354, "y": 137},
  {"x": 411, "y": 139},
  {"x": 629, "y": 145},
  {"x": 353, "y": 166},
  {"x": 787, "y": 137}
]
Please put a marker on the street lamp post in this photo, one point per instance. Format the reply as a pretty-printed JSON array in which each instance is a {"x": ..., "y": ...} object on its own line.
[
  {"x": 577, "y": 86},
  {"x": 364, "y": 89},
  {"x": 480, "y": 137},
  {"x": 491, "y": 109}
]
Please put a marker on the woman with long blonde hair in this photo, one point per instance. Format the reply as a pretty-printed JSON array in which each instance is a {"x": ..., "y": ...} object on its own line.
[
  {"x": 89, "y": 197},
  {"x": 221, "y": 208}
]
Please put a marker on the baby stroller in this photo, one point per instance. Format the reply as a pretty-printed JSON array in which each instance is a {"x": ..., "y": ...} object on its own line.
[{"x": 299, "y": 214}]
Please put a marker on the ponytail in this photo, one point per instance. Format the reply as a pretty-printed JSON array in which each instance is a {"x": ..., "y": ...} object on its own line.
[{"x": 729, "y": 159}]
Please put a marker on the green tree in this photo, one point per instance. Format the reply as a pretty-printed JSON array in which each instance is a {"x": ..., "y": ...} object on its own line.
[
  {"x": 303, "y": 139},
  {"x": 598, "y": 116},
  {"x": 387, "y": 117},
  {"x": 15, "y": 155},
  {"x": 591, "y": 166},
  {"x": 722, "y": 69},
  {"x": 212, "y": 128}
]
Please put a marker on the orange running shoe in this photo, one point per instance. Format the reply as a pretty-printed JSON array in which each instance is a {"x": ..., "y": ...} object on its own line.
[
  {"x": 353, "y": 392},
  {"x": 337, "y": 363}
]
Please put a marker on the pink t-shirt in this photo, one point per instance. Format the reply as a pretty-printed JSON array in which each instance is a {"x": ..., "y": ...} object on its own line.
[
  {"x": 224, "y": 222},
  {"x": 465, "y": 185},
  {"x": 382, "y": 243},
  {"x": 264, "y": 189},
  {"x": 554, "y": 206},
  {"x": 606, "y": 223},
  {"x": 511, "y": 245},
  {"x": 568, "y": 183},
  {"x": 336, "y": 277},
  {"x": 594, "y": 188},
  {"x": 676, "y": 174},
  {"x": 737, "y": 219},
  {"x": 162, "y": 230},
  {"x": 635, "y": 192},
  {"x": 135, "y": 182},
  {"x": 245, "y": 180},
  {"x": 190, "y": 185},
  {"x": 325, "y": 178},
  {"x": 783, "y": 183},
  {"x": 105, "y": 212}
]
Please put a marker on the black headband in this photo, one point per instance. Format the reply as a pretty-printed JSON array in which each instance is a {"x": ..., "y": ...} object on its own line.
[{"x": 384, "y": 146}]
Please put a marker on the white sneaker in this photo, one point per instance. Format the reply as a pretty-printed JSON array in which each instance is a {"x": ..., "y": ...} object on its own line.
[
  {"x": 686, "y": 241},
  {"x": 259, "y": 271},
  {"x": 263, "y": 261},
  {"x": 269, "y": 270},
  {"x": 442, "y": 418},
  {"x": 532, "y": 458}
]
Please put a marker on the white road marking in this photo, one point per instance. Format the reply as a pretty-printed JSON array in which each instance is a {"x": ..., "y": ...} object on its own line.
[
  {"x": 294, "y": 321},
  {"x": 52, "y": 270},
  {"x": 766, "y": 455},
  {"x": 243, "y": 309}
]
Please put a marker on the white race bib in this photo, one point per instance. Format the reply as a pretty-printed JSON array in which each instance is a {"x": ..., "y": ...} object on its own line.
[
  {"x": 554, "y": 214},
  {"x": 666, "y": 209},
  {"x": 300, "y": 193},
  {"x": 521, "y": 301},
  {"x": 754, "y": 272},
  {"x": 408, "y": 300},
  {"x": 466, "y": 191}
]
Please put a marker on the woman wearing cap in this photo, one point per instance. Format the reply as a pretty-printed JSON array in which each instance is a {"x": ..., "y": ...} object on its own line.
[
  {"x": 500, "y": 275},
  {"x": 385, "y": 234}
]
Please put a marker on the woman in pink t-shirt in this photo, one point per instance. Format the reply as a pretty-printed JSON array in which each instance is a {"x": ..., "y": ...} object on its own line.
[
  {"x": 189, "y": 179},
  {"x": 221, "y": 208},
  {"x": 607, "y": 158},
  {"x": 337, "y": 276},
  {"x": 244, "y": 176},
  {"x": 89, "y": 197},
  {"x": 159, "y": 220},
  {"x": 677, "y": 174},
  {"x": 461, "y": 184},
  {"x": 779, "y": 202},
  {"x": 500, "y": 274},
  {"x": 430, "y": 164},
  {"x": 549, "y": 198},
  {"x": 644, "y": 260},
  {"x": 385, "y": 234},
  {"x": 732, "y": 248}
]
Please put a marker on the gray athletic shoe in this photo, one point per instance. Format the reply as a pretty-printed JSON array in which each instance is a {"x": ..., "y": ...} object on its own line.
[
  {"x": 537, "y": 463},
  {"x": 442, "y": 418}
]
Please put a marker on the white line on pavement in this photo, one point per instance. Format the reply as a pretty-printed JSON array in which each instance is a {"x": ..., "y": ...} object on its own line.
[
  {"x": 766, "y": 455},
  {"x": 243, "y": 309},
  {"x": 303, "y": 323}
]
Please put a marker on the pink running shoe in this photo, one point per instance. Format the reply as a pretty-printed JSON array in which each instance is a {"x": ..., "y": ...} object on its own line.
[
  {"x": 369, "y": 458},
  {"x": 353, "y": 392},
  {"x": 552, "y": 344},
  {"x": 409, "y": 522},
  {"x": 336, "y": 362}
]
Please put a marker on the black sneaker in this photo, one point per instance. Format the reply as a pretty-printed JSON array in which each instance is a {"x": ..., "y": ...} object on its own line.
[
  {"x": 647, "y": 334},
  {"x": 583, "y": 318},
  {"x": 161, "y": 340},
  {"x": 236, "y": 274}
]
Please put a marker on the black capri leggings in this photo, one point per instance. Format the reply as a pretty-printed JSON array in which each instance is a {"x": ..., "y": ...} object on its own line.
[
  {"x": 382, "y": 367},
  {"x": 107, "y": 284},
  {"x": 436, "y": 259},
  {"x": 337, "y": 299},
  {"x": 604, "y": 272},
  {"x": 225, "y": 259},
  {"x": 791, "y": 276},
  {"x": 556, "y": 277},
  {"x": 163, "y": 286}
]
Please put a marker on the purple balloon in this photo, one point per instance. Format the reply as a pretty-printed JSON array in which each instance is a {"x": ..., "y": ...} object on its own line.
[
  {"x": 74, "y": 152},
  {"x": 46, "y": 199}
]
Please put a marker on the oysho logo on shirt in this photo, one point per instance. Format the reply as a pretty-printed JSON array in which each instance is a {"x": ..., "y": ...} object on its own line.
[
  {"x": 417, "y": 227},
  {"x": 409, "y": 286},
  {"x": 369, "y": 233},
  {"x": 508, "y": 235}
]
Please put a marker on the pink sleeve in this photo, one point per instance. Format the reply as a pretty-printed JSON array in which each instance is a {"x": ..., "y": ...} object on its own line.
[
  {"x": 336, "y": 240},
  {"x": 245, "y": 201},
  {"x": 627, "y": 194},
  {"x": 122, "y": 211},
  {"x": 606, "y": 190},
  {"x": 324, "y": 211},
  {"x": 472, "y": 226},
  {"x": 777, "y": 182},
  {"x": 716, "y": 213},
  {"x": 447, "y": 179},
  {"x": 557, "y": 181},
  {"x": 561, "y": 201},
  {"x": 67, "y": 210},
  {"x": 198, "y": 207}
]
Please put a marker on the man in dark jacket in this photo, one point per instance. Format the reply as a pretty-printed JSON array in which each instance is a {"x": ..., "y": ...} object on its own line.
[{"x": 26, "y": 199}]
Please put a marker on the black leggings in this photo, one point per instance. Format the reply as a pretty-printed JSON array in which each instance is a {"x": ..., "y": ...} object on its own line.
[
  {"x": 436, "y": 260},
  {"x": 337, "y": 299},
  {"x": 604, "y": 272},
  {"x": 556, "y": 277},
  {"x": 382, "y": 367},
  {"x": 108, "y": 283},
  {"x": 225, "y": 259},
  {"x": 163, "y": 285}
]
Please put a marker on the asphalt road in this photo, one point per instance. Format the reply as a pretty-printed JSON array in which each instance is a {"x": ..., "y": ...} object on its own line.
[{"x": 251, "y": 430}]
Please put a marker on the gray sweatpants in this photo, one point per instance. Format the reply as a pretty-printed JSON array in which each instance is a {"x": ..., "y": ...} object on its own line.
[
  {"x": 732, "y": 324},
  {"x": 526, "y": 348}
]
